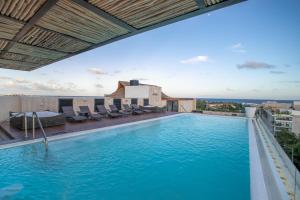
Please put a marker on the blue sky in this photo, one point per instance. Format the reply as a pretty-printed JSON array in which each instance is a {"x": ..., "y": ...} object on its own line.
[{"x": 249, "y": 50}]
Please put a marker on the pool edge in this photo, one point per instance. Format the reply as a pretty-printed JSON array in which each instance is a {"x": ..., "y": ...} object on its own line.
[
  {"x": 258, "y": 189},
  {"x": 79, "y": 133}
]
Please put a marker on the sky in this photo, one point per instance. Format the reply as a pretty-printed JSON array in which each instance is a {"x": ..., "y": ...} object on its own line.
[{"x": 248, "y": 50}]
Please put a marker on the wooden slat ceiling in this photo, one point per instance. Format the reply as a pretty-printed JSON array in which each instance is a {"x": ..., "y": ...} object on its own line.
[{"x": 34, "y": 33}]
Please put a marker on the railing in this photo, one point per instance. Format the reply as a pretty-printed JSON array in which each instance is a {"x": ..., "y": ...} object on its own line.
[
  {"x": 294, "y": 175},
  {"x": 34, "y": 114}
]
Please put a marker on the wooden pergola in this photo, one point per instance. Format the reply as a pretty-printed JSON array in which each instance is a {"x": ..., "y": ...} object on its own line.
[{"x": 34, "y": 33}]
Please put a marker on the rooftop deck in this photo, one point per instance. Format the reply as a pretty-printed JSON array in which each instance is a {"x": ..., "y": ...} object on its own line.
[{"x": 16, "y": 135}]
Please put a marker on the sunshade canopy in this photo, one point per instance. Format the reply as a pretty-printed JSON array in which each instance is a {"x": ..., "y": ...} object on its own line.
[{"x": 34, "y": 33}]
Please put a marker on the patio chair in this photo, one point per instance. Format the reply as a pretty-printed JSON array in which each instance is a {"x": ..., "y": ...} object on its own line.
[
  {"x": 114, "y": 109},
  {"x": 160, "y": 109},
  {"x": 136, "y": 110},
  {"x": 147, "y": 110},
  {"x": 70, "y": 115},
  {"x": 127, "y": 108},
  {"x": 104, "y": 112},
  {"x": 93, "y": 116}
]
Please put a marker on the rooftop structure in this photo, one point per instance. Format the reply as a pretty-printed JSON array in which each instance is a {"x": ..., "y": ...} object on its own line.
[
  {"x": 134, "y": 92},
  {"x": 296, "y": 105},
  {"x": 279, "y": 120},
  {"x": 37, "y": 33}
]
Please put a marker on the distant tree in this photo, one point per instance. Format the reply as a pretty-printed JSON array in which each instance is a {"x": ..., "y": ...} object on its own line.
[
  {"x": 289, "y": 142},
  {"x": 201, "y": 105}
]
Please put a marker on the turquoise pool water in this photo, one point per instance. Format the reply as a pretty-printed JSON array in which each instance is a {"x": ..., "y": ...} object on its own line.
[{"x": 184, "y": 157}]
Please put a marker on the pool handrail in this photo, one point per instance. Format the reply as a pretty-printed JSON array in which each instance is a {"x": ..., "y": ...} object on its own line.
[{"x": 34, "y": 114}]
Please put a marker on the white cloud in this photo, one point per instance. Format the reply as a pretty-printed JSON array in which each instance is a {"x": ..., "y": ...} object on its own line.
[
  {"x": 292, "y": 81},
  {"x": 5, "y": 78},
  {"x": 96, "y": 71},
  {"x": 98, "y": 85},
  {"x": 54, "y": 86},
  {"x": 238, "y": 47},
  {"x": 195, "y": 60},
  {"x": 229, "y": 90},
  {"x": 255, "y": 90},
  {"x": 255, "y": 65},
  {"x": 46, "y": 86},
  {"x": 277, "y": 72},
  {"x": 21, "y": 80}
]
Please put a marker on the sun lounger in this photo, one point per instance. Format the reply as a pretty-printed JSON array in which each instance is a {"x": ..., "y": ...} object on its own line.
[
  {"x": 70, "y": 114},
  {"x": 127, "y": 108},
  {"x": 93, "y": 116},
  {"x": 148, "y": 109},
  {"x": 136, "y": 110},
  {"x": 114, "y": 109},
  {"x": 104, "y": 112}
]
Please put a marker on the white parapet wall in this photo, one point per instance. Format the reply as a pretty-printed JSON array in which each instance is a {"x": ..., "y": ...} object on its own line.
[
  {"x": 27, "y": 103},
  {"x": 250, "y": 112},
  {"x": 9, "y": 104},
  {"x": 186, "y": 105}
]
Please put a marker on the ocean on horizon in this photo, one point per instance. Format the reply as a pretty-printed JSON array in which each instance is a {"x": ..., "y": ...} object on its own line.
[{"x": 252, "y": 101}]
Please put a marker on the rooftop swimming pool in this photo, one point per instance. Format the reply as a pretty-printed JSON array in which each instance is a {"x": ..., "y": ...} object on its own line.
[{"x": 182, "y": 157}]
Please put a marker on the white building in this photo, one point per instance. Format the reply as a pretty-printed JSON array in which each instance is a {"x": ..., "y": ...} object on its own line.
[
  {"x": 283, "y": 119},
  {"x": 296, "y": 105},
  {"x": 144, "y": 94}
]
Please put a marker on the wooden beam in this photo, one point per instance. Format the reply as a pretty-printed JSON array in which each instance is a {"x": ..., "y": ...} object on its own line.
[
  {"x": 45, "y": 29},
  {"x": 65, "y": 35},
  {"x": 39, "y": 14},
  {"x": 105, "y": 15},
  {"x": 33, "y": 46},
  {"x": 200, "y": 3}
]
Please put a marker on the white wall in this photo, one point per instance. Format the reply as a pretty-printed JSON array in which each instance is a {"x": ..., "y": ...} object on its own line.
[
  {"x": 296, "y": 125},
  {"x": 83, "y": 101},
  {"x": 9, "y": 104},
  {"x": 108, "y": 101},
  {"x": 186, "y": 105},
  {"x": 250, "y": 112},
  {"x": 155, "y": 96},
  {"x": 140, "y": 91},
  {"x": 296, "y": 105},
  {"x": 38, "y": 103}
]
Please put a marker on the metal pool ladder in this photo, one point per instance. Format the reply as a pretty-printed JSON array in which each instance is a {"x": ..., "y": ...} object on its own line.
[{"x": 34, "y": 115}]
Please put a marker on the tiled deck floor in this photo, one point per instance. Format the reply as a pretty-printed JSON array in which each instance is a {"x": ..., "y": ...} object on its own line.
[{"x": 77, "y": 126}]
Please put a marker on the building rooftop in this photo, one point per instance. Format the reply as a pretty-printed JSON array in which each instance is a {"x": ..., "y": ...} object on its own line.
[{"x": 120, "y": 92}]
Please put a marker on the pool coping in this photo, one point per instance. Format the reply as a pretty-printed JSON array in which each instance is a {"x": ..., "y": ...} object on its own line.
[{"x": 258, "y": 188}]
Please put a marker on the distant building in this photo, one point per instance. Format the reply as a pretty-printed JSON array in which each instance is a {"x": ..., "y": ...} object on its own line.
[
  {"x": 296, "y": 122},
  {"x": 296, "y": 105},
  {"x": 278, "y": 120},
  {"x": 283, "y": 120},
  {"x": 134, "y": 92},
  {"x": 276, "y": 105}
]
